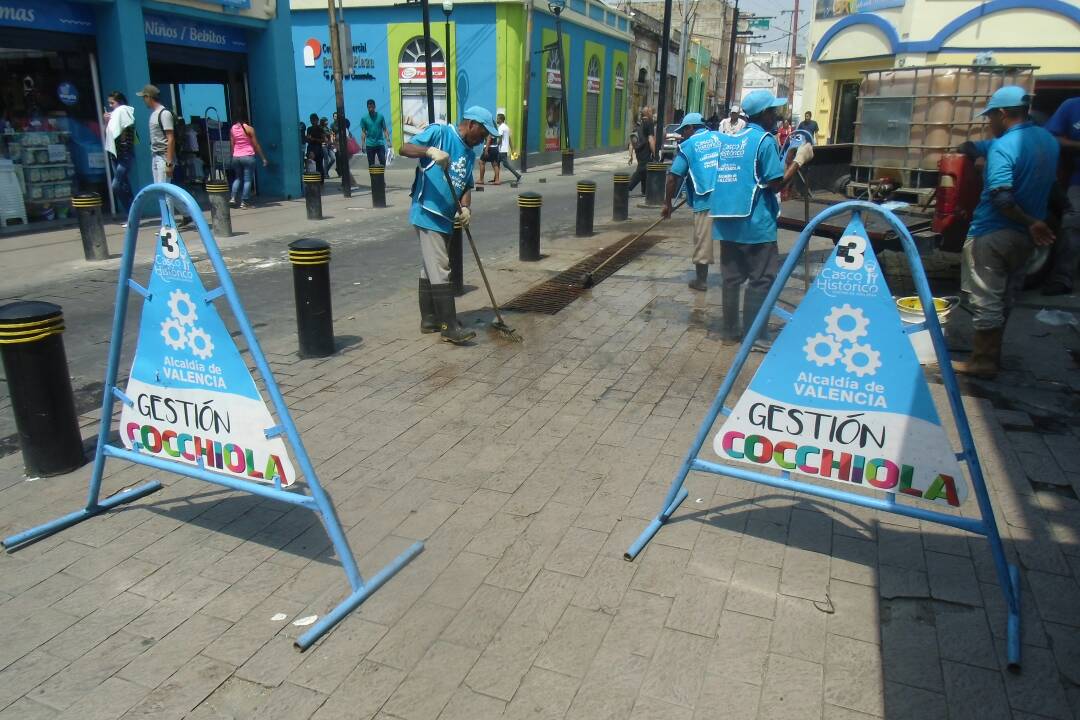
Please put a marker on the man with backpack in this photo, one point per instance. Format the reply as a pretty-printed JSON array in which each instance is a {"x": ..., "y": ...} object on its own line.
[
  {"x": 162, "y": 143},
  {"x": 642, "y": 147}
]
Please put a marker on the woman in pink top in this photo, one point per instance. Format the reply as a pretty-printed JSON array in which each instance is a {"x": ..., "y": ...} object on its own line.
[{"x": 244, "y": 147}]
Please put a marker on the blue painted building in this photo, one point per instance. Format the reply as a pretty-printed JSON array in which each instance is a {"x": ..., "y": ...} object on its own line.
[
  {"x": 61, "y": 58},
  {"x": 480, "y": 52}
]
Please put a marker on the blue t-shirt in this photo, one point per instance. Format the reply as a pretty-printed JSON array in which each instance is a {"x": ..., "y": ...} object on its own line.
[
  {"x": 696, "y": 158},
  {"x": 760, "y": 225},
  {"x": 1023, "y": 159},
  {"x": 1066, "y": 123},
  {"x": 433, "y": 207}
]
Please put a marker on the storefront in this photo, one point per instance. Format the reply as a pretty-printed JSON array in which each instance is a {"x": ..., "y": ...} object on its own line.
[{"x": 59, "y": 60}]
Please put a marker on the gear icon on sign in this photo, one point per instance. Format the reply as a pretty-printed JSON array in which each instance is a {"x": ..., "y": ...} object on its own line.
[
  {"x": 871, "y": 360},
  {"x": 817, "y": 344},
  {"x": 173, "y": 333},
  {"x": 834, "y": 323},
  {"x": 178, "y": 298},
  {"x": 200, "y": 343}
]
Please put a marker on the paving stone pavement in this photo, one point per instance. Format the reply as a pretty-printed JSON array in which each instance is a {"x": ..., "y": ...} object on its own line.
[{"x": 527, "y": 470}]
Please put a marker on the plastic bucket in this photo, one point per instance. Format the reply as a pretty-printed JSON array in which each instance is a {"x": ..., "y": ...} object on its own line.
[{"x": 911, "y": 313}]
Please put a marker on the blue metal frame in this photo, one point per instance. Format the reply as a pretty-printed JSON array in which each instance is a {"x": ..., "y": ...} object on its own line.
[
  {"x": 318, "y": 501},
  {"x": 1008, "y": 575}
]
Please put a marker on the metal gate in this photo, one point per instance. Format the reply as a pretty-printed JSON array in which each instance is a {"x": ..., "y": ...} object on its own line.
[{"x": 592, "y": 103}]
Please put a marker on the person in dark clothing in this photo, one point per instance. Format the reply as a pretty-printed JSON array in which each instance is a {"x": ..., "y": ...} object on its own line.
[
  {"x": 315, "y": 140},
  {"x": 809, "y": 125},
  {"x": 642, "y": 147},
  {"x": 120, "y": 143}
]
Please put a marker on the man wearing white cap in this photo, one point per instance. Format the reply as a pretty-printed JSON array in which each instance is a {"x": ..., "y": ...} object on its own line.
[
  {"x": 744, "y": 209},
  {"x": 1008, "y": 223},
  {"x": 442, "y": 148},
  {"x": 733, "y": 123},
  {"x": 694, "y": 168}
]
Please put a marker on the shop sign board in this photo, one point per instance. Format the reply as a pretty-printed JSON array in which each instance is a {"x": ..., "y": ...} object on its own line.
[
  {"x": 416, "y": 73},
  {"x": 592, "y": 85},
  {"x": 172, "y": 30},
  {"x": 69, "y": 17},
  {"x": 836, "y": 8},
  {"x": 553, "y": 79}
]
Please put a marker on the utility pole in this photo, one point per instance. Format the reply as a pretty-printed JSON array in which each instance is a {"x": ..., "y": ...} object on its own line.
[
  {"x": 523, "y": 141},
  {"x": 794, "y": 45},
  {"x": 687, "y": 8},
  {"x": 729, "y": 90},
  {"x": 429, "y": 81},
  {"x": 339, "y": 93},
  {"x": 665, "y": 45}
]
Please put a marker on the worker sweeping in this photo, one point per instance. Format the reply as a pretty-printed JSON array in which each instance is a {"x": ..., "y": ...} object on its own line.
[
  {"x": 444, "y": 152},
  {"x": 744, "y": 208},
  {"x": 694, "y": 168}
]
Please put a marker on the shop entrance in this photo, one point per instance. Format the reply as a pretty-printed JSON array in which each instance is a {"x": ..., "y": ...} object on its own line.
[
  {"x": 847, "y": 104},
  {"x": 412, "y": 81},
  {"x": 592, "y": 104}
]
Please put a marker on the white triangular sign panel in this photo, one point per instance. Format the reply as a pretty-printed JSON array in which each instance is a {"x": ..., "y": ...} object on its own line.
[
  {"x": 194, "y": 399},
  {"x": 841, "y": 394}
]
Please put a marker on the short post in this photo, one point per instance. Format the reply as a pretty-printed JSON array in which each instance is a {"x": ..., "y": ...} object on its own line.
[
  {"x": 310, "y": 259},
  {"x": 586, "y": 203},
  {"x": 313, "y": 195},
  {"x": 529, "y": 226},
  {"x": 35, "y": 365},
  {"x": 567, "y": 162},
  {"x": 454, "y": 250},
  {"x": 91, "y": 226},
  {"x": 655, "y": 183},
  {"x": 620, "y": 202},
  {"x": 220, "y": 215},
  {"x": 378, "y": 186}
]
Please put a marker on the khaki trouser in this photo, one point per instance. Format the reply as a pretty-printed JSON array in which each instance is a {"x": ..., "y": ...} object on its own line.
[
  {"x": 436, "y": 267},
  {"x": 703, "y": 242},
  {"x": 992, "y": 273}
]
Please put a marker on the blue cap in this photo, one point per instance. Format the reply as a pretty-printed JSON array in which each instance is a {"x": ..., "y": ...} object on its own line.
[
  {"x": 691, "y": 120},
  {"x": 482, "y": 116},
  {"x": 758, "y": 101},
  {"x": 1008, "y": 96}
]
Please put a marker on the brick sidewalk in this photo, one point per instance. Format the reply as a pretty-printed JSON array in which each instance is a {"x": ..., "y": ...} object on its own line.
[{"x": 528, "y": 470}]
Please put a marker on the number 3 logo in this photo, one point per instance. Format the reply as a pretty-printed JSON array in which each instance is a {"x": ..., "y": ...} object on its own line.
[
  {"x": 169, "y": 247},
  {"x": 850, "y": 252}
]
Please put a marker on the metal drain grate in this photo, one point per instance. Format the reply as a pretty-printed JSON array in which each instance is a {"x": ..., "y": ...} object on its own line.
[{"x": 551, "y": 296}]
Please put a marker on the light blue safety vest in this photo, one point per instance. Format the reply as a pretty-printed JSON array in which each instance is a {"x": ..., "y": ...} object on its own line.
[
  {"x": 737, "y": 180},
  {"x": 702, "y": 149}
]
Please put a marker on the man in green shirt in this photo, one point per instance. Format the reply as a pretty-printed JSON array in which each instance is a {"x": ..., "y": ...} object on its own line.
[{"x": 374, "y": 135}]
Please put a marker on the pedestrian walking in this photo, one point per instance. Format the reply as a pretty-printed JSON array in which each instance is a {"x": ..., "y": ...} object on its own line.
[
  {"x": 245, "y": 145},
  {"x": 162, "y": 125},
  {"x": 1065, "y": 126},
  {"x": 809, "y": 124},
  {"x": 443, "y": 149},
  {"x": 505, "y": 148},
  {"x": 374, "y": 135},
  {"x": 120, "y": 144},
  {"x": 734, "y": 122},
  {"x": 1009, "y": 221},
  {"x": 744, "y": 209},
  {"x": 642, "y": 148},
  {"x": 314, "y": 138},
  {"x": 784, "y": 133},
  {"x": 489, "y": 155},
  {"x": 693, "y": 170}
]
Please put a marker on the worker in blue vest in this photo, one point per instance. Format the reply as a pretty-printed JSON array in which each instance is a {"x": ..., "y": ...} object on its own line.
[
  {"x": 744, "y": 209},
  {"x": 443, "y": 150},
  {"x": 693, "y": 170}
]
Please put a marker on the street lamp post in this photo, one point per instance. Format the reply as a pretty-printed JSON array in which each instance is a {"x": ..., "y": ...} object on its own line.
[
  {"x": 447, "y": 8},
  {"x": 556, "y": 7}
]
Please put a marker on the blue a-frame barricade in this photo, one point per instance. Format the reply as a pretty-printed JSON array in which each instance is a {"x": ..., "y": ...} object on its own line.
[
  {"x": 317, "y": 501},
  {"x": 1008, "y": 575}
]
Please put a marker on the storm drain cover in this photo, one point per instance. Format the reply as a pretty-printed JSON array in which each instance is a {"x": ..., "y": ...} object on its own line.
[{"x": 551, "y": 296}]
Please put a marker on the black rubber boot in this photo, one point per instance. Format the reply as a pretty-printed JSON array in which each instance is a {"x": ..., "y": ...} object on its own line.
[
  {"x": 751, "y": 306},
  {"x": 729, "y": 332},
  {"x": 446, "y": 311},
  {"x": 701, "y": 278},
  {"x": 429, "y": 321}
]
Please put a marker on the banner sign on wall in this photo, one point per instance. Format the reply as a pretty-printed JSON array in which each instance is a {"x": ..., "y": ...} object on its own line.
[
  {"x": 69, "y": 17},
  {"x": 173, "y": 30},
  {"x": 840, "y": 8},
  {"x": 416, "y": 73}
]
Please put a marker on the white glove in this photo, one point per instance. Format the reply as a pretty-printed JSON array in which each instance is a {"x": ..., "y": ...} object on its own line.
[
  {"x": 804, "y": 154},
  {"x": 463, "y": 216},
  {"x": 439, "y": 157}
]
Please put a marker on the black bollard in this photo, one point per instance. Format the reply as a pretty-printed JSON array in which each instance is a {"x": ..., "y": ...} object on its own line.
[
  {"x": 220, "y": 215},
  {"x": 91, "y": 226},
  {"x": 378, "y": 186},
  {"x": 310, "y": 259},
  {"x": 313, "y": 195},
  {"x": 656, "y": 183},
  {"x": 529, "y": 226},
  {"x": 586, "y": 203},
  {"x": 37, "y": 375},
  {"x": 620, "y": 202},
  {"x": 454, "y": 251},
  {"x": 567, "y": 162}
]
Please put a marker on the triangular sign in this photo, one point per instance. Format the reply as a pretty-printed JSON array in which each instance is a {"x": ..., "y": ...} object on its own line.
[
  {"x": 841, "y": 394},
  {"x": 194, "y": 400}
]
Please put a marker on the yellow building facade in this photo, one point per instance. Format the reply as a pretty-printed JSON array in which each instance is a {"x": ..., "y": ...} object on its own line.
[{"x": 850, "y": 36}]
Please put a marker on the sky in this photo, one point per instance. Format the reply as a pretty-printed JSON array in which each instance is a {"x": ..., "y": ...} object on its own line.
[{"x": 777, "y": 37}]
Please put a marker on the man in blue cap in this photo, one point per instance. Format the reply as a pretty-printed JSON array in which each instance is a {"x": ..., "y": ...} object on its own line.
[
  {"x": 1008, "y": 223},
  {"x": 744, "y": 208},
  {"x": 442, "y": 148},
  {"x": 694, "y": 169}
]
